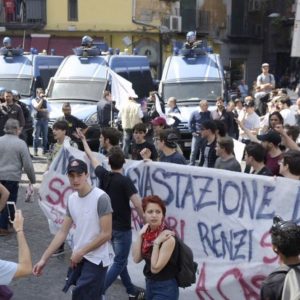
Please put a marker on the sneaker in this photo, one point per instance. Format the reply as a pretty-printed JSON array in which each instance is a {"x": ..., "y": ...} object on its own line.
[
  {"x": 139, "y": 295},
  {"x": 59, "y": 251},
  {"x": 4, "y": 232}
]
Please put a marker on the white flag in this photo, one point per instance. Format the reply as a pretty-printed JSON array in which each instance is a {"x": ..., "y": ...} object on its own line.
[
  {"x": 121, "y": 89},
  {"x": 158, "y": 107}
]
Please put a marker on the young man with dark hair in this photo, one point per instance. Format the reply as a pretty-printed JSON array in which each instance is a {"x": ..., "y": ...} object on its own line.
[
  {"x": 59, "y": 129},
  {"x": 255, "y": 155},
  {"x": 270, "y": 142},
  {"x": 140, "y": 143},
  {"x": 226, "y": 159},
  {"x": 109, "y": 137},
  {"x": 89, "y": 212},
  {"x": 285, "y": 237},
  {"x": 121, "y": 191},
  {"x": 167, "y": 144},
  {"x": 208, "y": 154},
  {"x": 289, "y": 165}
]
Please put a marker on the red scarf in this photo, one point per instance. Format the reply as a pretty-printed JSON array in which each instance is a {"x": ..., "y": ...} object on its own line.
[{"x": 148, "y": 239}]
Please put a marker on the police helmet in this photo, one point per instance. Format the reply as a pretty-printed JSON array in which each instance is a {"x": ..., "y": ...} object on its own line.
[
  {"x": 191, "y": 36},
  {"x": 86, "y": 41},
  {"x": 16, "y": 94},
  {"x": 7, "y": 42}
]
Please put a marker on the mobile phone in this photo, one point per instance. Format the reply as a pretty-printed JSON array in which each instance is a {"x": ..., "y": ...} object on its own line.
[{"x": 11, "y": 208}]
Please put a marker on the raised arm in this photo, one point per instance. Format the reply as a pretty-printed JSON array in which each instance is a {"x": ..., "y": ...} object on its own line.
[
  {"x": 137, "y": 245},
  {"x": 289, "y": 143},
  {"x": 137, "y": 203},
  {"x": 94, "y": 160},
  {"x": 25, "y": 264}
]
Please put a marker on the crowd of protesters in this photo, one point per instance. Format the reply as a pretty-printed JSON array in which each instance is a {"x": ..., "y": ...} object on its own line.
[{"x": 266, "y": 122}]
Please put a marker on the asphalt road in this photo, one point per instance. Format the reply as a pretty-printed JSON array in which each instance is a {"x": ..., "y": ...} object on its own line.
[{"x": 50, "y": 284}]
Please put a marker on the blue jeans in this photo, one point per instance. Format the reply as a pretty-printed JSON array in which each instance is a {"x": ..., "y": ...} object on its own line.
[
  {"x": 121, "y": 242},
  {"x": 195, "y": 148},
  {"x": 162, "y": 290},
  {"x": 40, "y": 128},
  {"x": 12, "y": 187},
  {"x": 127, "y": 137},
  {"x": 90, "y": 283}
]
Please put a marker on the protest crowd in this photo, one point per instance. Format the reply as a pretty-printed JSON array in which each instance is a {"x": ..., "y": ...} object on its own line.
[{"x": 264, "y": 123}]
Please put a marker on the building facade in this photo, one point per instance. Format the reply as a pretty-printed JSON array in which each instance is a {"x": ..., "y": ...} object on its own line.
[{"x": 245, "y": 32}]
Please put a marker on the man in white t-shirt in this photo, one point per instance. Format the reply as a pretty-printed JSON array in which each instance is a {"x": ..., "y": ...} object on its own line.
[
  {"x": 288, "y": 115},
  {"x": 10, "y": 270},
  {"x": 265, "y": 83},
  {"x": 250, "y": 119},
  {"x": 89, "y": 212}
]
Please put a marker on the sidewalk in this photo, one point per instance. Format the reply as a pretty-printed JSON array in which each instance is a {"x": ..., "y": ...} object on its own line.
[{"x": 50, "y": 284}]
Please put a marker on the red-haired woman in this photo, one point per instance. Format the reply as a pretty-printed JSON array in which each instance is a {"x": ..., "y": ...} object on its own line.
[{"x": 157, "y": 246}]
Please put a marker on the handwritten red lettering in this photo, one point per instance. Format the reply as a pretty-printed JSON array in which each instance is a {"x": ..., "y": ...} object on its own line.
[{"x": 265, "y": 244}]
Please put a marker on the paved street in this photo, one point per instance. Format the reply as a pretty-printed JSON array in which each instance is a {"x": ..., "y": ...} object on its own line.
[{"x": 50, "y": 284}]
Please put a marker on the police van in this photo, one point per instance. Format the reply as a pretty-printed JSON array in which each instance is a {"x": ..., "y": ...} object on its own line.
[
  {"x": 26, "y": 72},
  {"x": 191, "y": 76},
  {"x": 82, "y": 78}
]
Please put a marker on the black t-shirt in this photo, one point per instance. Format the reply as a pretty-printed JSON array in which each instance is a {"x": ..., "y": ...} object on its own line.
[
  {"x": 264, "y": 171},
  {"x": 73, "y": 123},
  {"x": 168, "y": 272},
  {"x": 119, "y": 188},
  {"x": 137, "y": 148},
  {"x": 272, "y": 286}
]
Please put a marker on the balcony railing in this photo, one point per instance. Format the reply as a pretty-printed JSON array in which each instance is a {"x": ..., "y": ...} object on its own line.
[{"x": 21, "y": 14}]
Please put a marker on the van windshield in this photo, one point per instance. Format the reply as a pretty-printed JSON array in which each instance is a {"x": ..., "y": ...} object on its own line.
[
  {"x": 23, "y": 84},
  {"x": 184, "y": 91},
  {"x": 77, "y": 90}
]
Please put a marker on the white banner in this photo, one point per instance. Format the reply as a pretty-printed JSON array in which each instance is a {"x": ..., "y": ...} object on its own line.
[{"x": 223, "y": 216}]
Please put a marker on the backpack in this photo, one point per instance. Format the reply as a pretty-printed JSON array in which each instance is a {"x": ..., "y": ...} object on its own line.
[
  {"x": 291, "y": 287},
  {"x": 187, "y": 268}
]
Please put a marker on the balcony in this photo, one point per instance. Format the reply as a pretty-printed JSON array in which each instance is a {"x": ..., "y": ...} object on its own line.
[{"x": 20, "y": 14}]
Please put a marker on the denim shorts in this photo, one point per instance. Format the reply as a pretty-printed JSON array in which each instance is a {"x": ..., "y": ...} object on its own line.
[{"x": 162, "y": 290}]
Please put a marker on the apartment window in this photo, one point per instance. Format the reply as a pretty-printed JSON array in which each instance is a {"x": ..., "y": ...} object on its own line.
[{"x": 73, "y": 10}]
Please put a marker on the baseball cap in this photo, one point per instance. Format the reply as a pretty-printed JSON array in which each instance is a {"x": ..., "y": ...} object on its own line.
[
  {"x": 159, "y": 121},
  {"x": 271, "y": 137},
  {"x": 265, "y": 65},
  {"x": 77, "y": 166}
]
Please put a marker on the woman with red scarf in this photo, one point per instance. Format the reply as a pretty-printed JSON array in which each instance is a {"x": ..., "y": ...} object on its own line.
[{"x": 157, "y": 246}]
